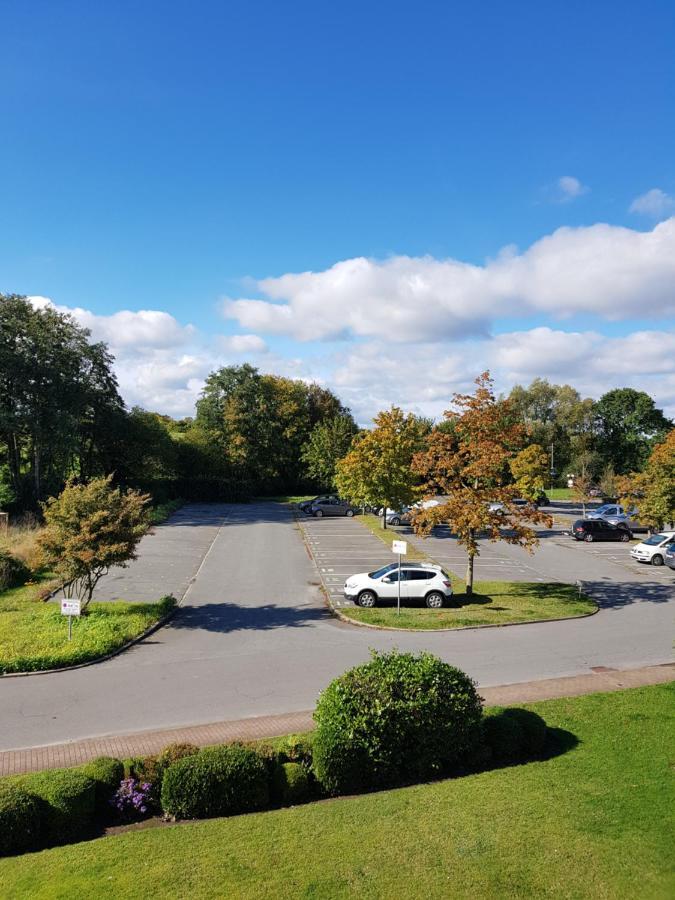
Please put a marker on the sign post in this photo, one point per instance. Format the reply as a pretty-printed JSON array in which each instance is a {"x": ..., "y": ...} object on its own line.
[
  {"x": 70, "y": 607},
  {"x": 400, "y": 548}
]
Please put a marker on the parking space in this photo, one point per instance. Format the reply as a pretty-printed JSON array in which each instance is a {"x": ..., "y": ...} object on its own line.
[{"x": 342, "y": 547}]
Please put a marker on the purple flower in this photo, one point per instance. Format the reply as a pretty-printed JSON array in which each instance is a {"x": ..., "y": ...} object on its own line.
[{"x": 131, "y": 798}]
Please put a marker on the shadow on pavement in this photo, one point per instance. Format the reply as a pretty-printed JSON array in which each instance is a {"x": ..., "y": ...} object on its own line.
[
  {"x": 228, "y": 617},
  {"x": 616, "y": 595},
  {"x": 195, "y": 514}
]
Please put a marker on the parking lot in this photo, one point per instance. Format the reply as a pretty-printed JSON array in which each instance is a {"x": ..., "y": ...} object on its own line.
[{"x": 343, "y": 547}]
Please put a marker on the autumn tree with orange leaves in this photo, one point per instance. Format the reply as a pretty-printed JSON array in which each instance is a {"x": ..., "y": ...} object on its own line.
[{"x": 467, "y": 460}]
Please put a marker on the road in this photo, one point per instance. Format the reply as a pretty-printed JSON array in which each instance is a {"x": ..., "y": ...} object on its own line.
[{"x": 253, "y": 637}]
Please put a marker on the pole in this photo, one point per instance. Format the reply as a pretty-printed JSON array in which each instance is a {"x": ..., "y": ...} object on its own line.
[
  {"x": 398, "y": 602},
  {"x": 70, "y": 628}
]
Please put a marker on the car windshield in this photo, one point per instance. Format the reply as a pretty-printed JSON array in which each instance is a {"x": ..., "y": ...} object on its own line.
[
  {"x": 655, "y": 539},
  {"x": 383, "y": 571}
]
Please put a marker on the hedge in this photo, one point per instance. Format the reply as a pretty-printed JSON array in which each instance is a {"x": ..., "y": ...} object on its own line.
[
  {"x": 20, "y": 819},
  {"x": 13, "y": 572},
  {"x": 397, "y": 719},
  {"x": 217, "y": 781},
  {"x": 107, "y": 773},
  {"x": 291, "y": 783},
  {"x": 70, "y": 797}
]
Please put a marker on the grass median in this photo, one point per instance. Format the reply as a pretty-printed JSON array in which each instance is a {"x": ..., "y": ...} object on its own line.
[
  {"x": 492, "y": 603},
  {"x": 593, "y": 821},
  {"x": 34, "y": 634}
]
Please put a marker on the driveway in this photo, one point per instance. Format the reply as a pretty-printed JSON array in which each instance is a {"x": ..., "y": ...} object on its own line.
[{"x": 254, "y": 638}]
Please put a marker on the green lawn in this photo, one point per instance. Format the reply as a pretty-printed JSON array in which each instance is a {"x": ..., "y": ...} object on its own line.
[
  {"x": 595, "y": 821},
  {"x": 287, "y": 498},
  {"x": 559, "y": 493},
  {"x": 34, "y": 634},
  {"x": 493, "y": 603}
]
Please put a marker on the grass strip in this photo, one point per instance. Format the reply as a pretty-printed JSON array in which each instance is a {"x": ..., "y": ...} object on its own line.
[
  {"x": 594, "y": 821},
  {"x": 387, "y": 535},
  {"x": 34, "y": 634}
]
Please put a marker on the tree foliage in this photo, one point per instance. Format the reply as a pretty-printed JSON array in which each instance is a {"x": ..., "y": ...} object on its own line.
[
  {"x": 377, "y": 470},
  {"x": 468, "y": 462},
  {"x": 89, "y": 529},
  {"x": 628, "y": 426},
  {"x": 328, "y": 442},
  {"x": 652, "y": 491},
  {"x": 529, "y": 468}
]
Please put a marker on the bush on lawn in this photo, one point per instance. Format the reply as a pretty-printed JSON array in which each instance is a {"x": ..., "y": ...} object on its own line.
[
  {"x": 20, "y": 819},
  {"x": 398, "y": 718},
  {"x": 291, "y": 783},
  {"x": 107, "y": 774},
  {"x": 299, "y": 748},
  {"x": 217, "y": 781},
  {"x": 146, "y": 770},
  {"x": 69, "y": 797},
  {"x": 13, "y": 572}
]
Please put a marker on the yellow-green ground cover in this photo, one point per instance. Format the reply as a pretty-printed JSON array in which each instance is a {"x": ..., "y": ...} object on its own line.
[{"x": 594, "y": 821}]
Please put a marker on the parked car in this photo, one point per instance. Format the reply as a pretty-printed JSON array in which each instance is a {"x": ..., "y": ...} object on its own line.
[
  {"x": 599, "y": 530},
  {"x": 402, "y": 517},
  {"x": 419, "y": 581},
  {"x": 332, "y": 506},
  {"x": 653, "y": 549},
  {"x": 306, "y": 505},
  {"x": 605, "y": 511},
  {"x": 669, "y": 556}
]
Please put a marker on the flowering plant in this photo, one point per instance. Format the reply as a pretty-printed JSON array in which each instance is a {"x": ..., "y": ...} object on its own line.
[{"x": 131, "y": 799}]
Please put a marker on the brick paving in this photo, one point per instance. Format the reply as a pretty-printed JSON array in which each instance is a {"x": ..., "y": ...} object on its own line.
[{"x": 14, "y": 762}]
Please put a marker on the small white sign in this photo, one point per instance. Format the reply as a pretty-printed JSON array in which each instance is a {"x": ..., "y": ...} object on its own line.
[
  {"x": 400, "y": 547},
  {"x": 70, "y": 607}
]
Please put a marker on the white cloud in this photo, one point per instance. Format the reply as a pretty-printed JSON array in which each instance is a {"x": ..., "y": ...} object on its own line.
[
  {"x": 569, "y": 188},
  {"x": 243, "y": 343},
  {"x": 604, "y": 270},
  {"x": 655, "y": 203}
]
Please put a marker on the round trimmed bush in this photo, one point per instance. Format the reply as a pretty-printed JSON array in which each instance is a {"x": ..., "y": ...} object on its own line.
[
  {"x": 20, "y": 818},
  {"x": 69, "y": 796},
  {"x": 13, "y": 572},
  {"x": 299, "y": 748},
  {"x": 504, "y": 737},
  {"x": 107, "y": 773},
  {"x": 173, "y": 752},
  {"x": 217, "y": 781},
  {"x": 291, "y": 783},
  {"x": 533, "y": 728},
  {"x": 398, "y": 718}
]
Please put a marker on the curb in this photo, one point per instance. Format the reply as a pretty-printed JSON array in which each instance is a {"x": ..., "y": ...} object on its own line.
[{"x": 343, "y": 618}]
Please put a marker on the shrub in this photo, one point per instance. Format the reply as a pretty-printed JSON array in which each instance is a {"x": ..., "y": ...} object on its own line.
[
  {"x": 533, "y": 728},
  {"x": 174, "y": 752},
  {"x": 504, "y": 736},
  {"x": 291, "y": 783},
  {"x": 398, "y": 718},
  {"x": 69, "y": 796},
  {"x": 20, "y": 817},
  {"x": 146, "y": 770},
  {"x": 13, "y": 572},
  {"x": 132, "y": 799},
  {"x": 299, "y": 748},
  {"x": 217, "y": 781},
  {"x": 107, "y": 774}
]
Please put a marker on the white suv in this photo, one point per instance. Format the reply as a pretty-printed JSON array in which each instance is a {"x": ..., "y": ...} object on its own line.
[
  {"x": 653, "y": 549},
  {"x": 419, "y": 581}
]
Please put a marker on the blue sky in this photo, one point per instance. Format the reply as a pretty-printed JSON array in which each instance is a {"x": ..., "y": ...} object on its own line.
[{"x": 163, "y": 157}]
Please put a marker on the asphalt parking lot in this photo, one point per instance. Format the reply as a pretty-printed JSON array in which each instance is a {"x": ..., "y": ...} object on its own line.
[{"x": 343, "y": 547}]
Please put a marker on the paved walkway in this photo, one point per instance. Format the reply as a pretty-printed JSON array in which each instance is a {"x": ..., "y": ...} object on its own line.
[{"x": 14, "y": 762}]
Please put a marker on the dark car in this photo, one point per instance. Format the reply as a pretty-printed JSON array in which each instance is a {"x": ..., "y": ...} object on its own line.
[
  {"x": 331, "y": 506},
  {"x": 598, "y": 530},
  {"x": 306, "y": 505}
]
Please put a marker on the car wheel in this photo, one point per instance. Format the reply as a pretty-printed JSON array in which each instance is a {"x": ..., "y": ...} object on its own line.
[
  {"x": 349, "y": 513},
  {"x": 367, "y": 599},
  {"x": 588, "y": 538},
  {"x": 625, "y": 537},
  {"x": 435, "y": 600},
  {"x": 395, "y": 521},
  {"x": 318, "y": 514},
  {"x": 657, "y": 559}
]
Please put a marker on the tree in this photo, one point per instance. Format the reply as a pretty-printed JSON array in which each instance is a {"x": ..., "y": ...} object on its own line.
[
  {"x": 529, "y": 469},
  {"x": 88, "y": 529},
  {"x": 468, "y": 462},
  {"x": 628, "y": 425},
  {"x": 377, "y": 470},
  {"x": 328, "y": 442},
  {"x": 652, "y": 492}
]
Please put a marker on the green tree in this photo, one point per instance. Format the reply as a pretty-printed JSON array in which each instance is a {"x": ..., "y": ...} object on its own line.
[
  {"x": 653, "y": 491},
  {"x": 89, "y": 529},
  {"x": 628, "y": 425},
  {"x": 328, "y": 442},
  {"x": 377, "y": 470},
  {"x": 529, "y": 469},
  {"x": 468, "y": 463}
]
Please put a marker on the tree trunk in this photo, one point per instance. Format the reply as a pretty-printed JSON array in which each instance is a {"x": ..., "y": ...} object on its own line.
[
  {"x": 469, "y": 575},
  {"x": 384, "y": 514}
]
